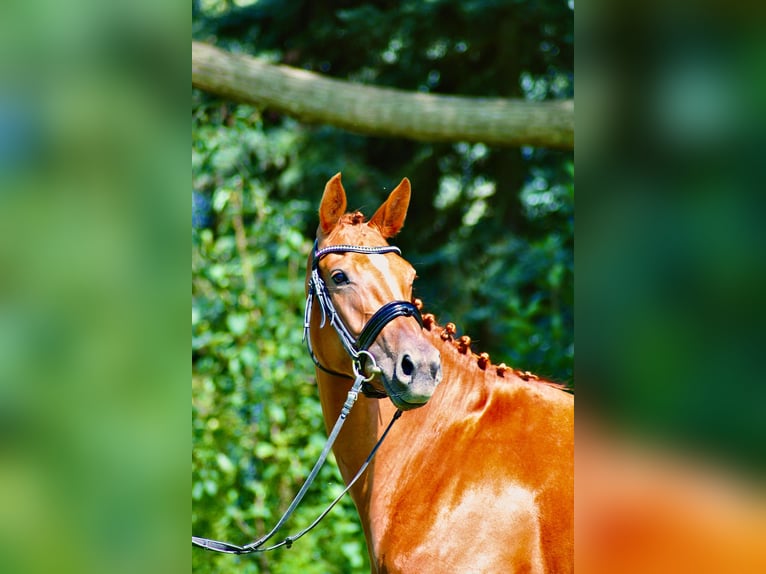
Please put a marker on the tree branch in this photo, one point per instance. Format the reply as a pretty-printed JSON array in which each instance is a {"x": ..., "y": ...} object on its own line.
[{"x": 369, "y": 110}]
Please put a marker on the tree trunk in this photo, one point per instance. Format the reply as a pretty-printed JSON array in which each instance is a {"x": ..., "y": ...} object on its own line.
[{"x": 377, "y": 111}]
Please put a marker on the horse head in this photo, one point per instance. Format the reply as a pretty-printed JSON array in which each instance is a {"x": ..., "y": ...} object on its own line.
[{"x": 365, "y": 287}]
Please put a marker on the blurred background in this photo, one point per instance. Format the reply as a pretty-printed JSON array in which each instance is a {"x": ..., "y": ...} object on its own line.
[
  {"x": 671, "y": 275},
  {"x": 94, "y": 303},
  {"x": 670, "y": 423},
  {"x": 489, "y": 231},
  {"x": 94, "y": 284}
]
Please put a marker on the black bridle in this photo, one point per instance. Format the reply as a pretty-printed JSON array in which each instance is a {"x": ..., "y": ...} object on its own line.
[{"x": 357, "y": 348}]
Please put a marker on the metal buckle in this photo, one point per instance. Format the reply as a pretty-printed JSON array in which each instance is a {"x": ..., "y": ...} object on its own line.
[{"x": 357, "y": 366}]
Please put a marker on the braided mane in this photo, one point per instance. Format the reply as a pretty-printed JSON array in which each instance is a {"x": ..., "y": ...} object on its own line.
[{"x": 463, "y": 346}]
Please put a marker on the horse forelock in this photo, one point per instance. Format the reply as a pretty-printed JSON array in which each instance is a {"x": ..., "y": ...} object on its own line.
[
  {"x": 355, "y": 218},
  {"x": 353, "y": 229}
]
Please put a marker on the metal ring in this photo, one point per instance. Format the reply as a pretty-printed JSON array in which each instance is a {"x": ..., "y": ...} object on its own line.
[{"x": 357, "y": 366}]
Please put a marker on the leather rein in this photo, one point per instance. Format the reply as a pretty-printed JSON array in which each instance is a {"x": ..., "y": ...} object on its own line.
[{"x": 357, "y": 349}]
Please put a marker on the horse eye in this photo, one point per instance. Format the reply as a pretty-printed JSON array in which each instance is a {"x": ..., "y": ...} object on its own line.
[{"x": 339, "y": 278}]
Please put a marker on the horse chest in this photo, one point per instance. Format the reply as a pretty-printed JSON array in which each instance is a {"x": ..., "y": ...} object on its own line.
[{"x": 484, "y": 528}]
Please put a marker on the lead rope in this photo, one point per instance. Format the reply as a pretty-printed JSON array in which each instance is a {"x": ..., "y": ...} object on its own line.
[
  {"x": 229, "y": 548},
  {"x": 357, "y": 350}
]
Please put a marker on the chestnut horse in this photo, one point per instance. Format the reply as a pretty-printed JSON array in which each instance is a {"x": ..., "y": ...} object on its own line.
[{"x": 478, "y": 473}]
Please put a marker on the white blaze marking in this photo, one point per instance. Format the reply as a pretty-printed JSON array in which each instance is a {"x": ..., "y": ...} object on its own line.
[{"x": 381, "y": 263}]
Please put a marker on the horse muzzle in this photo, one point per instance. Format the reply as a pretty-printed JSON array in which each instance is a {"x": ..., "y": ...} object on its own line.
[{"x": 411, "y": 376}]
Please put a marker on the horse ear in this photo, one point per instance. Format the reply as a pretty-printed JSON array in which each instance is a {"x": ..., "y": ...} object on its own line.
[
  {"x": 333, "y": 204},
  {"x": 390, "y": 216}
]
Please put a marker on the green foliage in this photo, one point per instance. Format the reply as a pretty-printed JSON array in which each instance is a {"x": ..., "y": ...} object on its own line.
[
  {"x": 257, "y": 424},
  {"x": 490, "y": 232}
]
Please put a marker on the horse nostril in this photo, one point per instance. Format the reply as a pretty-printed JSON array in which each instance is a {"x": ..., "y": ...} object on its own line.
[{"x": 407, "y": 366}]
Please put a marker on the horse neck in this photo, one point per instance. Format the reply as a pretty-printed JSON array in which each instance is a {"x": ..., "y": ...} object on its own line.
[{"x": 361, "y": 430}]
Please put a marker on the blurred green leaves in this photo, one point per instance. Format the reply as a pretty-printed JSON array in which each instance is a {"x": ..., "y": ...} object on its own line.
[
  {"x": 257, "y": 423},
  {"x": 670, "y": 241},
  {"x": 93, "y": 252}
]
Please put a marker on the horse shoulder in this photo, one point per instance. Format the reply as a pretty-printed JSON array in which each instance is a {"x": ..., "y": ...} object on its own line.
[{"x": 484, "y": 482}]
